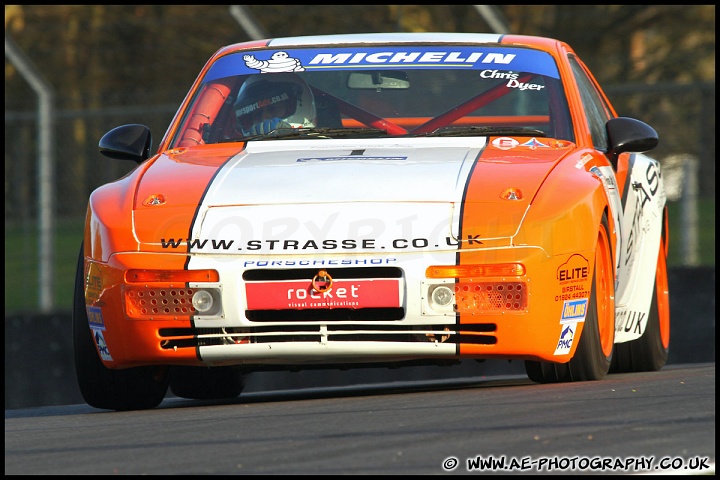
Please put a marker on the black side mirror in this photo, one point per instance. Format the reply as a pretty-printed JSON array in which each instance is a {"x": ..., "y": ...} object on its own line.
[
  {"x": 630, "y": 135},
  {"x": 127, "y": 142}
]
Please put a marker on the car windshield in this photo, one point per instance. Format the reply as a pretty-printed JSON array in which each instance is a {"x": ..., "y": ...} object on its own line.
[{"x": 374, "y": 92}]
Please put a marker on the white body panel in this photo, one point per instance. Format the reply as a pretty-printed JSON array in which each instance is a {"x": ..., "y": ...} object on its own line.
[
  {"x": 642, "y": 224},
  {"x": 319, "y": 352},
  {"x": 414, "y": 190}
]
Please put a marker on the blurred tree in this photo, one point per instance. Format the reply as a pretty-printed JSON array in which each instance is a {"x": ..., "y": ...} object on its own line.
[
  {"x": 114, "y": 54},
  {"x": 99, "y": 57}
]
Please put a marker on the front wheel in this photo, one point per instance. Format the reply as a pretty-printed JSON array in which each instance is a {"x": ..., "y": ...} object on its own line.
[
  {"x": 136, "y": 388},
  {"x": 593, "y": 354}
]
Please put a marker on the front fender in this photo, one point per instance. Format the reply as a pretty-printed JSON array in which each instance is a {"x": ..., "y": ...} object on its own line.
[
  {"x": 565, "y": 214},
  {"x": 108, "y": 222}
]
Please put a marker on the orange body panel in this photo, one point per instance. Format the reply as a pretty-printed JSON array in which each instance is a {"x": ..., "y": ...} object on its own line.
[
  {"x": 181, "y": 177},
  {"x": 552, "y": 234},
  {"x": 134, "y": 342}
]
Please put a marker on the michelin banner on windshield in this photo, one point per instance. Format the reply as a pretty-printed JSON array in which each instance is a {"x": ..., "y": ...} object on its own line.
[{"x": 405, "y": 57}]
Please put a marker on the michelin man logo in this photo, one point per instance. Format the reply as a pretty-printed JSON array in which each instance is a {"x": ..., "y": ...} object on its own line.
[{"x": 279, "y": 62}]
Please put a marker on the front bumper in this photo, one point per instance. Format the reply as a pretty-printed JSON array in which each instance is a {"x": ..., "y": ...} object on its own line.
[{"x": 233, "y": 334}]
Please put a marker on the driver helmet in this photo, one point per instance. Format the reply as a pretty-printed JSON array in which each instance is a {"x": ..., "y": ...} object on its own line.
[{"x": 275, "y": 95}]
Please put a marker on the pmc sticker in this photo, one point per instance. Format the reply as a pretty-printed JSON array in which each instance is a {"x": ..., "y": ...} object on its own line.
[
  {"x": 101, "y": 345},
  {"x": 567, "y": 335}
]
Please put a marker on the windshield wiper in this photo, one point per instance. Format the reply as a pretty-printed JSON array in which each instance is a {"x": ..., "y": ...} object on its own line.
[
  {"x": 312, "y": 133},
  {"x": 326, "y": 132},
  {"x": 458, "y": 131},
  {"x": 369, "y": 132}
]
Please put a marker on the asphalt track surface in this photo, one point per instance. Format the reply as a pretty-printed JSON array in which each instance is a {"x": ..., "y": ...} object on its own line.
[{"x": 623, "y": 424}]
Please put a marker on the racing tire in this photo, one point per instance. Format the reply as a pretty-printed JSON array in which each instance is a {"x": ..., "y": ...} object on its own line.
[
  {"x": 206, "y": 383},
  {"x": 136, "y": 388},
  {"x": 593, "y": 355},
  {"x": 649, "y": 352}
]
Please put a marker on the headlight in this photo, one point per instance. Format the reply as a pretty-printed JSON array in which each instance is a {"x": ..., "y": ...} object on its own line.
[
  {"x": 202, "y": 301},
  {"x": 441, "y": 296}
]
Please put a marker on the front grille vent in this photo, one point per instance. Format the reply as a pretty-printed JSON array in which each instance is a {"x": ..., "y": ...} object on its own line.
[
  {"x": 478, "y": 334},
  {"x": 308, "y": 273}
]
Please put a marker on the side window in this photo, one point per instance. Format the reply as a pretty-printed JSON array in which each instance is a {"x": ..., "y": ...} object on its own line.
[{"x": 597, "y": 114}]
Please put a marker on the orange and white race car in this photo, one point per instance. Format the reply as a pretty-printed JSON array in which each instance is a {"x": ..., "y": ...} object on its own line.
[{"x": 374, "y": 199}]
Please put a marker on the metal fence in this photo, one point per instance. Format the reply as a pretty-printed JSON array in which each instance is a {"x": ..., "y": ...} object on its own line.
[{"x": 78, "y": 168}]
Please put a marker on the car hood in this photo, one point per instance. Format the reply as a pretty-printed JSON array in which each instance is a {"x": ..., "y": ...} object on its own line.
[{"x": 299, "y": 196}]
